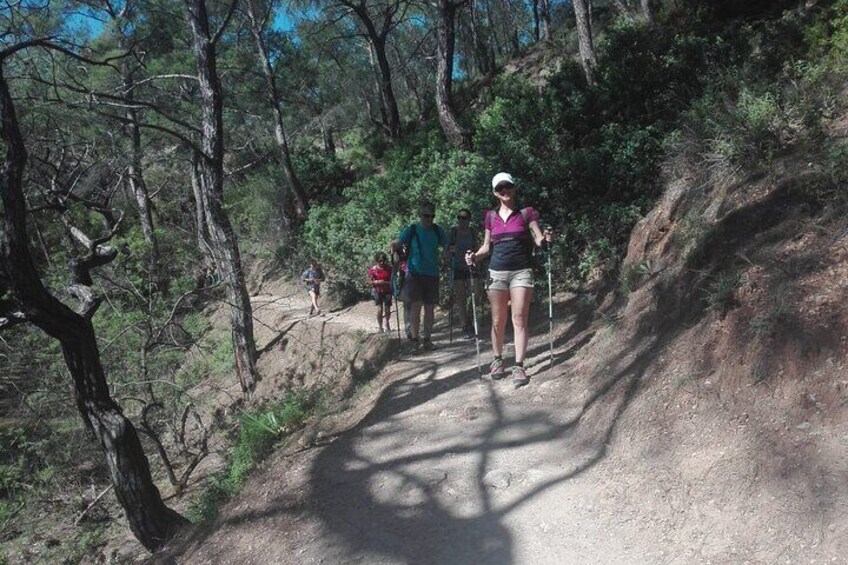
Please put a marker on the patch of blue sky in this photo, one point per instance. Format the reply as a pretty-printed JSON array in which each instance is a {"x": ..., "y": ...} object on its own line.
[{"x": 85, "y": 21}]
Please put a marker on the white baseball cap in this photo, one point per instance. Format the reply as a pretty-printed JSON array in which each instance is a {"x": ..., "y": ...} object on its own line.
[{"x": 502, "y": 178}]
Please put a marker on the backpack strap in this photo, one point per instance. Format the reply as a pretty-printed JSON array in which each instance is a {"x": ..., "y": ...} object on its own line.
[{"x": 525, "y": 215}]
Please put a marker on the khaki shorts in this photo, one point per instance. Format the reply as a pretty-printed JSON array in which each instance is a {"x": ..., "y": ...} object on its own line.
[{"x": 505, "y": 280}]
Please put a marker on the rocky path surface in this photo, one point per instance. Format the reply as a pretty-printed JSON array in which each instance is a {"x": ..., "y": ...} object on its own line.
[{"x": 447, "y": 467}]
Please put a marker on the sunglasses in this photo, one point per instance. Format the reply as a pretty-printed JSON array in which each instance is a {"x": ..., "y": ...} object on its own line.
[
  {"x": 504, "y": 188},
  {"x": 423, "y": 215}
]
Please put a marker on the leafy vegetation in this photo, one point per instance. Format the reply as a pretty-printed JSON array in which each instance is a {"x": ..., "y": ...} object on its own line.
[
  {"x": 696, "y": 90},
  {"x": 258, "y": 431}
]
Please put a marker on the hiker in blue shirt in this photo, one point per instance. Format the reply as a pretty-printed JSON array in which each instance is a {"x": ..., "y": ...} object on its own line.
[
  {"x": 423, "y": 239},
  {"x": 312, "y": 277}
]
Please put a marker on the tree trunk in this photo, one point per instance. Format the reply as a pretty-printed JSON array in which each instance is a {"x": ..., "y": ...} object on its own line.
[
  {"x": 546, "y": 20},
  {"x": 647, "y": 14},
  {"x": 152, "y": 522},
  {"x": 378, "y": 43},
  {"x": 484, "y": 56},
  {"x": 446, "y": 41},
  {"x": 381, "y": 98},
  {"x": 411, "y": 84},
  {"x": 301, "y": 203},
  {"x": 327, "y": 137},
  {"x": 584, "y": 38},
  {"x": 224, "y": 241},
  {"x": 510, "y": 30},
  {"x": 200, "y": 227},
  {"x": 536, "y": 21},
  {"x": 393, "y": 114},
  {"x": 138, "y": 187}
]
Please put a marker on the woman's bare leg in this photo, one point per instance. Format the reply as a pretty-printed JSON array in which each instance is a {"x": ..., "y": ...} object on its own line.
[{"x": 521, "y": 298}]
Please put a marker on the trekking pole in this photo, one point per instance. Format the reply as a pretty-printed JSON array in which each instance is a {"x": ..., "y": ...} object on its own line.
[
  {"x": 474, "y": 314},
  {"x": 450, "y": 308},
  {"x": 395, "y": 290},
  {"x": 550, "y": 308}
]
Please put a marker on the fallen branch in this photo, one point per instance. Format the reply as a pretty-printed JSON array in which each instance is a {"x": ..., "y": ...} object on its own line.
[{"x": 91, "y": 505}]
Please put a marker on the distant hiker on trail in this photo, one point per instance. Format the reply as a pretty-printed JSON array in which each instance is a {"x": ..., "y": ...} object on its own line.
[
  {"x": 312, "y": 277},
  {"x": 510, "y": 232},
  {"x": 424, "y": 239},
  {"x": 461, "y": 240},
  {"x": 380, "y": 276}
]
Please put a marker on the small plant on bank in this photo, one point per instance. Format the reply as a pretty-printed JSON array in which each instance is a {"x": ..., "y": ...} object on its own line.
[
  {"x": 778, "y": 313},
  {"x": 720, "y": 293},
  {"x": 632, "y": 275},
  {"x": 258, "y": 431}
]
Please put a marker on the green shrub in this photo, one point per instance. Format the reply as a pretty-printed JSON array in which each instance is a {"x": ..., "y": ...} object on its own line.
[
  {"x": 258, "y": 431},
  {"x": 720, "y": 293},
  {"x": 632, "y": 275},
  {"x": 346, "y": 236}
]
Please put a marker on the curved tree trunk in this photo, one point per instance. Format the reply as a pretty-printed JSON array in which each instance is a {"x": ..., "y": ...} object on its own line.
[
  {"x": 444, "y": 75},
  {"x": 224, "y": 241},
  {"x": 301, "y": 204},
  {"x": 152, "y": 522}
]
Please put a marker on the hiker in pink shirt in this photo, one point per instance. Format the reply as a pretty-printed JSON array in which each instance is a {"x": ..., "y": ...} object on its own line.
[
  {"x": 380, "y": 275},
  {"x": 510, "y": 234}
]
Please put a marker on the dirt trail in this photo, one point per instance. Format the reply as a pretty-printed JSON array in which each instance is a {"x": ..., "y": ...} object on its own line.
[{"x": 450, "y": 468}]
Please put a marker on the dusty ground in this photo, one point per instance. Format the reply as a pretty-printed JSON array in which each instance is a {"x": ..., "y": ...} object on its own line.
[
  {"x": 622, "y": 452},
  {"x": 700, "y": 416}
]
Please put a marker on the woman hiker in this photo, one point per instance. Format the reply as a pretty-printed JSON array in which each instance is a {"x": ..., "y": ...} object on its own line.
[
  {"x": 510, "y": 233},
  {"x": 461, "y": 239}
]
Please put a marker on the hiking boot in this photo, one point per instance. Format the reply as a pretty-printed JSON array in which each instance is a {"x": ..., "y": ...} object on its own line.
[
  {"x": 519, "y": 376},
  {"x": 311, "y": 310},
  {"x": 496, "y": 369},
  {"x": 427, "y": 345},
  {"x": 414, "y": 344}
]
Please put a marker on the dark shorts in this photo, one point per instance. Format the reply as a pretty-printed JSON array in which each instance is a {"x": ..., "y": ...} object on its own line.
[
  {"x": 381, "y": 298},
  {"x": 423, "y": 288}
]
